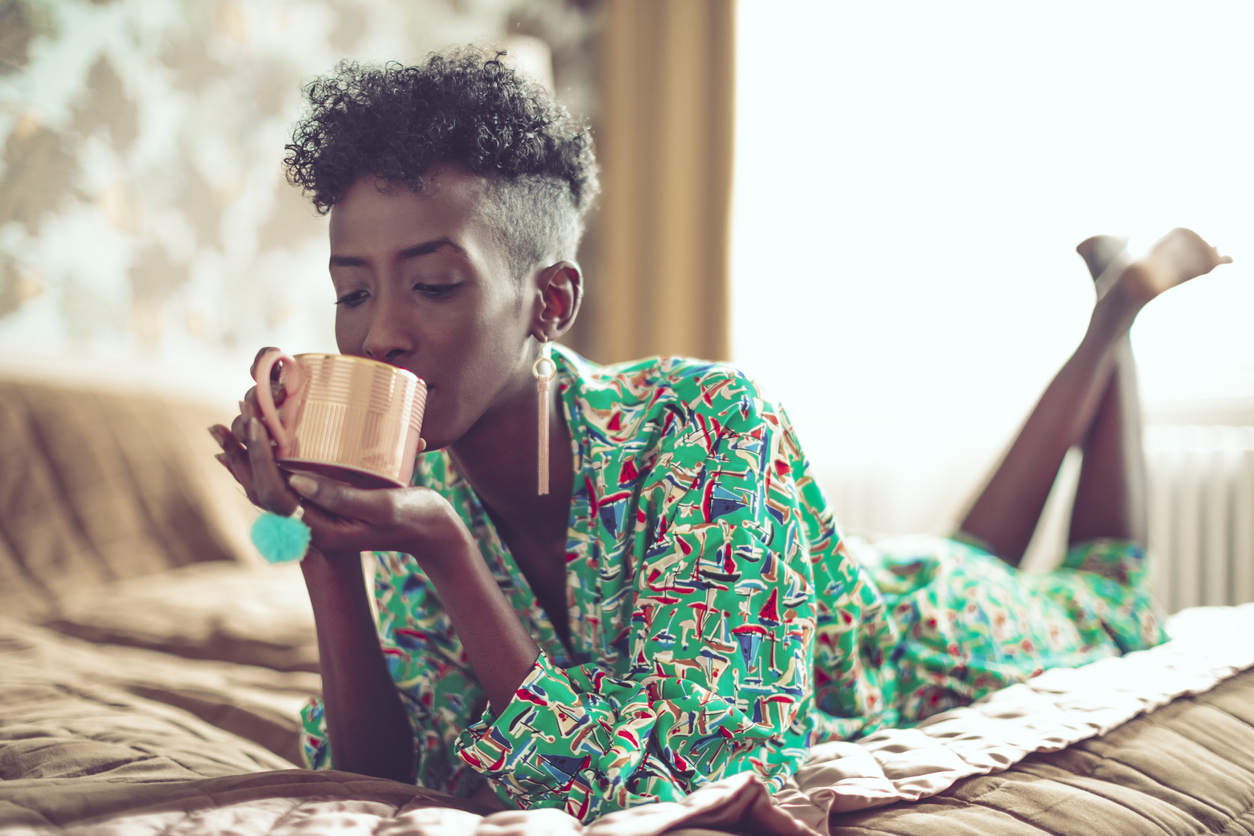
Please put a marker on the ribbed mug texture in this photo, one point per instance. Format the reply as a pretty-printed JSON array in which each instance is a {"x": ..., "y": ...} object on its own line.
[{"x": 357, "y": 414}]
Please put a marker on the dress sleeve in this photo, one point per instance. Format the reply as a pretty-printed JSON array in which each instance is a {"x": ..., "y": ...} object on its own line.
[
  {"x": 431, "y": 672},
  {"x": 719, "y": 637}
]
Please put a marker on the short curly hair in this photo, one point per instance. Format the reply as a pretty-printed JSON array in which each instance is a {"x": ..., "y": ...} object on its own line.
[{"x": 464, "y": 107}]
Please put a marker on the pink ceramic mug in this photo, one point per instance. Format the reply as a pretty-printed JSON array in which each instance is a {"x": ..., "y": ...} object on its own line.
[{"x": 349, "y": 418}]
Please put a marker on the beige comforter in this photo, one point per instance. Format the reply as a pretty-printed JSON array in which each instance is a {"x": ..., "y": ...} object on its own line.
[
  {"x": 144, "y": 741},
  {"x": 154, "y": 685}
]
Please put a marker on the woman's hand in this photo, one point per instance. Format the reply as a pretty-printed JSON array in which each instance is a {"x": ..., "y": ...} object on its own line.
[
  {"x": 344, "y": 522},
  {"x": 341, "y": 519},
  {"x": 417, "y": 521},
  {"x": 234, "y": 456}
]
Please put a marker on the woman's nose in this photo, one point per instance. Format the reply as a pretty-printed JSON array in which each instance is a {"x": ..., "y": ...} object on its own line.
[{"x": 389, "y": 337}]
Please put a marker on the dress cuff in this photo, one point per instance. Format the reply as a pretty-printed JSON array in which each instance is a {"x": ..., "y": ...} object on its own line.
[
  {"x": 314, "y": 748},
  {"x": 494, "y": 745},
  {"x": 507, "y": 748}
]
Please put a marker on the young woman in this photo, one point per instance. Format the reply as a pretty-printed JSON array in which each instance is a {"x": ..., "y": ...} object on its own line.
[{"x": 680, "y": 606}]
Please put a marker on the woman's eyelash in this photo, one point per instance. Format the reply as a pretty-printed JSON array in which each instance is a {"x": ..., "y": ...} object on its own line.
[
  {"x": 352, "y": 300},
  {"x": 435, "y": 291}
]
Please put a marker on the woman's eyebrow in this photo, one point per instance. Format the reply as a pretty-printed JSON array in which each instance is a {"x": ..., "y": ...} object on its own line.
[
  {"x": 425, "y": 248},
  {"x": 431, "y": 246}
]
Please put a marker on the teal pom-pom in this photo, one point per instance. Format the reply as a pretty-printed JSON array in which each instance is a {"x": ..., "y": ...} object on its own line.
[{"x": 280, "y": 539}]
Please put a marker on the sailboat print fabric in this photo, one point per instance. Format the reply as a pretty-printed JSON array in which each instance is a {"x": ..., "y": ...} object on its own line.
[{"x": 718, "y": 623}]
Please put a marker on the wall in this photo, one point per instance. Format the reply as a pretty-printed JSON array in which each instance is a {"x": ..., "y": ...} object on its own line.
[
  {"x": 146, "y": 231},
  {"x": 911, "y": 180}
]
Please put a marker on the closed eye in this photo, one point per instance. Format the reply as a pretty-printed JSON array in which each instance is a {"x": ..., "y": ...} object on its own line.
[
  {"x": 435, "y": 291},
  {"x": 352, "y": 300}
]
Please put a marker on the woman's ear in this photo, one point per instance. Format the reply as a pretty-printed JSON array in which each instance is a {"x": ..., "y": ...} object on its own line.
[{"x": 559, "y": 290}]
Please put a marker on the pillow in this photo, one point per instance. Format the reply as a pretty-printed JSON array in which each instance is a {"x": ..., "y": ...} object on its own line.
[
  {"x": 244, "y": 613},
  {"x": 100, "y": 486}
]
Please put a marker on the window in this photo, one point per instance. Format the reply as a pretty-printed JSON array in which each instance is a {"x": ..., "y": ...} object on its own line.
[{"x": 911, "y": 180}]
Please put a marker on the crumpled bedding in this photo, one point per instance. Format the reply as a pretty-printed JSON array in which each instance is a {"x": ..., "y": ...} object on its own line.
[
  {"x": 341, "y": 803},
  {"x": 161, "y": 694},
  {"x": 1054, "y": 755},
  {"x": 1187, "y": 768},
  {"x": 1045, "y": 714},
  {"x": 76, "y": 710}
]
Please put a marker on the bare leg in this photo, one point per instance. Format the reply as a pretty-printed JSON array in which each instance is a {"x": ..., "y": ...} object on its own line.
[
  {"x": 1006, "y": 512},
  {"x": 1110, "y": 498}
]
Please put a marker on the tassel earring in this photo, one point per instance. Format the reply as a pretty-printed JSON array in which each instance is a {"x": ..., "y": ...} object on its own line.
[{"x": 543, "y": 373}]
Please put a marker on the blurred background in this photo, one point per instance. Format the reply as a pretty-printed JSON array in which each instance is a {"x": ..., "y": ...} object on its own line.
[
  {"x": 911, "y": 180},
  {"x": 146, "y": 229},
  {"x": 870, "y": 207}
]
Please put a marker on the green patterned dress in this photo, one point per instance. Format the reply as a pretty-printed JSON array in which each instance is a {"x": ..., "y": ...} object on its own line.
[{"x": 719, "y": 620}]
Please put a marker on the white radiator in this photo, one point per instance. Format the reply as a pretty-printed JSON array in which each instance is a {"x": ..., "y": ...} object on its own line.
[
  {"x": 1201, "y": 508},
  {"x": 1201, "y": 514}
]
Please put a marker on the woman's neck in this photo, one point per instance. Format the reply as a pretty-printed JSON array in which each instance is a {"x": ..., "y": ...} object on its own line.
[{"x": 498, "y": 458}]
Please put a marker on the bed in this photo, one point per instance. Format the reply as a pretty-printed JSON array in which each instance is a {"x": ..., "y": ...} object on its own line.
[{"x": 151, "y": 672}]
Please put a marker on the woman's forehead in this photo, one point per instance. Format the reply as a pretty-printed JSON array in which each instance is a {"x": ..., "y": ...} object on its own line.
[
  {"x": 372, "y": 211},
  {"x": 377, "y": 220}
]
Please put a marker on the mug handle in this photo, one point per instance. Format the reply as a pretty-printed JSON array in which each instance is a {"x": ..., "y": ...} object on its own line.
[{"x": 293, "y": 380}]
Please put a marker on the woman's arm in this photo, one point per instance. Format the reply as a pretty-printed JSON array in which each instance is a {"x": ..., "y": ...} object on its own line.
[
  {"x": 500, "y": 650},
  {"x": 367, "y": 723}
]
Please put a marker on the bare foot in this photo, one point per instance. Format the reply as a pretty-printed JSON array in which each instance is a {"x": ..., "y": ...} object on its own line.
[
  {"x": 1106, "y": 256},
  {"x": 1100, "y": 251},
  {"x": 1175, "y": 258}
]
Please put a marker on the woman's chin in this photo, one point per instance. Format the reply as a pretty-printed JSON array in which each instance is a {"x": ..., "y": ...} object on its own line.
[
  {"x": 436, "y": 437},
  {"x": 433, "y": 443}
]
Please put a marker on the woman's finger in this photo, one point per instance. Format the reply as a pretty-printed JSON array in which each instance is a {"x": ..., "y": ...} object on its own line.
[
  {"x": 248, "y": 406},
  {"x": 333, "y": 533},
  {"x": 220, "y": 434},
  {"x": 252, "y": 370},
  {"x": 239, "y": 426},
  {"x": 247, "y": 410},
  {"x": 278, "y": 392},
  {"x": 371, "y": 506},
  {"x": 235, "y": 458},
  {"x": 271, "y": 490}
]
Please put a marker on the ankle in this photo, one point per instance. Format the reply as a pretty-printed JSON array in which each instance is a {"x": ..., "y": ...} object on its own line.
[
  {"x": 1100, "y": 254},
  {"x": 1115, "y": 312}
]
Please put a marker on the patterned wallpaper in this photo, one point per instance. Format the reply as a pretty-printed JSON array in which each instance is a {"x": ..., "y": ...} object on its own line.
[{"x": 143, "y": 210}]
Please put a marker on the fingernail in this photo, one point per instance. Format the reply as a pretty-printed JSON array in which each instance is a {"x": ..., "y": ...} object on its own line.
[
  {"x": 303, "y": 485},
  {"x": 242, "y": 406},
  {"x": 217, "y": 435},
  {"x": 254, "y": 429},
  {"x": 221, "y": 457}
]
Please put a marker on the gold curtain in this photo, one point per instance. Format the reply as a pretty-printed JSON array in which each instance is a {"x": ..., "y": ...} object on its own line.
[{"x": 657, "y": 281}]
